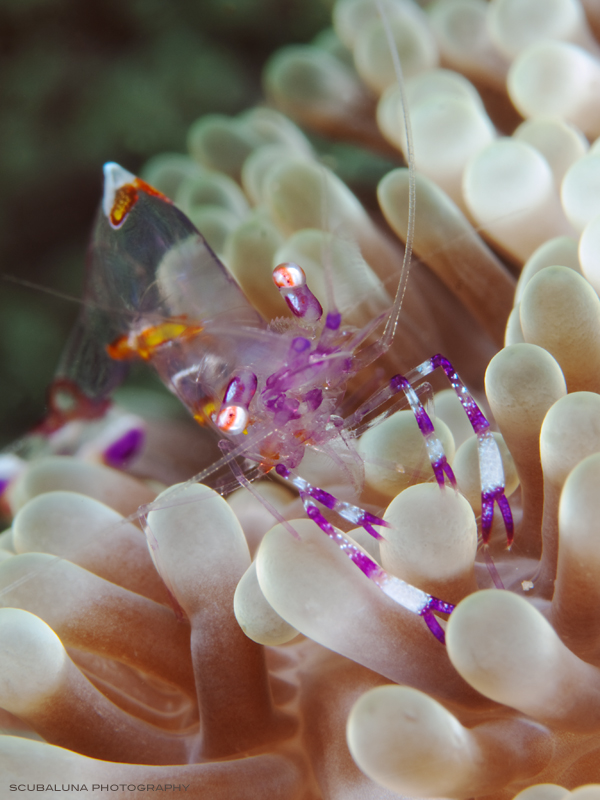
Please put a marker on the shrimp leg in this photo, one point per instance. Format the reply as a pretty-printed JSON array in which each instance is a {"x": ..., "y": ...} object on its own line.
[
  {"x": 490, "y": 461},
  {"x": 406, "y": 595}
]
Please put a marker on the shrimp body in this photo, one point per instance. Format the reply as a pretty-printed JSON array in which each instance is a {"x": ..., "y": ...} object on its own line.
[
  {"x": 185, "y": 315},
  {"x": 270, "y": 391},
  {"x": 148, "y": 265}
]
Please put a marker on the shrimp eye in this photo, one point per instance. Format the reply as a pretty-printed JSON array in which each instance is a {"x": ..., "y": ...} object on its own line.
[
  {"x": 290, "y": 279},
  {"x": 232, "y": 419},
  {"x": 289, "y": 276}
]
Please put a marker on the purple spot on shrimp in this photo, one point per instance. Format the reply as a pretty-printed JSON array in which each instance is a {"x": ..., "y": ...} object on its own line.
[
  {"x": 121, "y": 452},
  {"x": 300, "y": 344},
  {"x": 372, "y": 532},
  {"x": 302, "y": 303},
  {"x": 504, "y": 507},
  {"x": 423, "y": 421},
  {"x": 450, "y": 474},
  {"x": 328, "y": 500},
  {"x": 398, "y": 382},
  {"x": 475, "y": 415},
  {"x": 282, "y": 471},
  {"x": 372, "y": 519},
  {"x": 434, "y": 626},
  {"x": 435, "y": 604},
  {"x": 472, "y": 410},
  {"x": 487, "y": 514},
  {"x": 313, "y": 399},
  {"x": 273, "y": 402},
  {"x": 368, "y": 520},
  {"x": 241, "y": 389},
  {"x": 442, "y": 469},
  {"x": 364, "y": 563},
  {"x": 333, "y": 321},
  {"x": 312, "y": 512},
  {"x": 285, "y": 408}
]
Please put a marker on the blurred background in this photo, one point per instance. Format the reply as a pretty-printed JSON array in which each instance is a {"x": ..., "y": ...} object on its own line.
[{"x": 88, "y": 81}]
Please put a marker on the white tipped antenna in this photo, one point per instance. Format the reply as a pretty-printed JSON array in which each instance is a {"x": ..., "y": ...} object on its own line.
[{"x": 392, "y": 321}]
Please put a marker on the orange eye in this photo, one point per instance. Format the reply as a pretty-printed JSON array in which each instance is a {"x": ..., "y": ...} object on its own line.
[
  {"x": 289, "y": 276},
  {"x": 232, "y": 419}
]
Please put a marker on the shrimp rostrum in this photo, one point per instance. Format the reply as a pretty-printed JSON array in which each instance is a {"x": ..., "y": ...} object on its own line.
[{"x": 269, "y": 391}]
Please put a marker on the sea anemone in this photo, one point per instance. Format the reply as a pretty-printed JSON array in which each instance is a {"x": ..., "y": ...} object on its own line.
[{"x": 233, "y": 660}]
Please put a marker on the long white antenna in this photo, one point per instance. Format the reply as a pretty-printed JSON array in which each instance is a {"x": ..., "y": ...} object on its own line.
[{"x": 392, "y": 321}]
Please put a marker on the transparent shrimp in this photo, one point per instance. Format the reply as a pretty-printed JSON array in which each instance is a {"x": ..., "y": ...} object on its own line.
[{"x": 269, "y": 393}]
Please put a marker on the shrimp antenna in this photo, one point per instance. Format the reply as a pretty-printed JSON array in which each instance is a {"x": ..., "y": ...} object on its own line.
[
  {"x": 47, "y": 290},
  {"x": 69, "y": 298},
  {"x": 327, "y": 247},
  {"x": 392, "y": 321}
]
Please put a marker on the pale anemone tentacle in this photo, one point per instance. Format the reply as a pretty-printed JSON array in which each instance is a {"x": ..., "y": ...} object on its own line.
[{"x": 510, "y": 708}]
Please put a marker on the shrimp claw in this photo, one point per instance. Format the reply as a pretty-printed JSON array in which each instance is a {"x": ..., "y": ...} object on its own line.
[
  {"x": 406, "y": 595},
  {"x": 347, "y": 511},
  {"x": 490, "y": 461}
]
